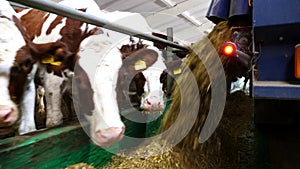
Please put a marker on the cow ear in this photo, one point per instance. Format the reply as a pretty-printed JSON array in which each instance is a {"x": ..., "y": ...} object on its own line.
[
  {"x": 140, "y": 60},
  {"x": 174, "y": 68}
]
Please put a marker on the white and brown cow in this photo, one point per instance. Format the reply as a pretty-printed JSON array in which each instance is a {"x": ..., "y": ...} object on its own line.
[
  {"x": 16, "y": 74},
  {"x": 115, "y": 74},
  {"x": 61, "y": 39},
  {"x": 44, "y": 29},
  {"x": 132, "y": 73}
]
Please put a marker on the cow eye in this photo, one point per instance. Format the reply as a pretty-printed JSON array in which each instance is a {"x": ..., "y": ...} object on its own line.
[{"x": 28, "y": 63}]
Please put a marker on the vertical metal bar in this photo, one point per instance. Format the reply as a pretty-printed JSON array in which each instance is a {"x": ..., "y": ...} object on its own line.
[{"x": 170, "y": 80}]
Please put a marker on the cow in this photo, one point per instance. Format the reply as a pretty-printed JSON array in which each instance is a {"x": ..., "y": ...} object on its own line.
[
  {"x": 60, "y": 39},
  {"x": 131, "y": 75},
  {"x": 17, "y": 72}
]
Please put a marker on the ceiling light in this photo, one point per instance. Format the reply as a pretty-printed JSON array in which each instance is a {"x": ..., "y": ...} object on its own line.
[{"x": 190, "y": 18}]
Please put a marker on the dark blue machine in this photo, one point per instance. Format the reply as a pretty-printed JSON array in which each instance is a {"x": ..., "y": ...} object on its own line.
[
  {"x": 276, "y": 32},
  {"x": 276, "y": 91}
]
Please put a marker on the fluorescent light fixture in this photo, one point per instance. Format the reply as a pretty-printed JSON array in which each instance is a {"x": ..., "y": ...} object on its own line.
[
  {"x": 190, "y": 18},
  {"x": 169, "y": 3},
  {"x": 185, "y": 14}
]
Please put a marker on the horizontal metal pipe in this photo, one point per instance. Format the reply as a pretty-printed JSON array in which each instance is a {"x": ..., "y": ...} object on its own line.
[{"x": 91, "y": 19}]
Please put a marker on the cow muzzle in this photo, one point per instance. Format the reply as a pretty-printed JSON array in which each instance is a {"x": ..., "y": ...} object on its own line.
[
  {"x": 107, "y": 137},
  {"x": 8, "y": 116},
  {"x": 152, "y": 104}
]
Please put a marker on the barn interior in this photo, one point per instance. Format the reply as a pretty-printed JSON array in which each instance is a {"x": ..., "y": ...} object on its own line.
[{"x": 237, "y": 142}]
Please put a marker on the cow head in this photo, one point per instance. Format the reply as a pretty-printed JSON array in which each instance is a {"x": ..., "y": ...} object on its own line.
[
  {"x": 121, "y": 72},
  {"x": 143, "y": 76},
  {"x": 15, "y": 65},
  {"x": 139, "y": 82}
]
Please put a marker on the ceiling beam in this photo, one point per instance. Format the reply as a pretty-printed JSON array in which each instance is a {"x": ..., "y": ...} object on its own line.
[{"x": 181, "y": 7}]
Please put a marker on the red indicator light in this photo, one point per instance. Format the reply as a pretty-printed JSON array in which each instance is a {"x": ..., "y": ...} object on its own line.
[
  {"x": 297, "y": 61},
  {"x": 229, "y": 49}
]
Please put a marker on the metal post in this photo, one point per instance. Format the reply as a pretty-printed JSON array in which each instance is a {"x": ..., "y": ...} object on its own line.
[
  {"x": 169, "y": 58},
  {"x": 91, "y": 19}
]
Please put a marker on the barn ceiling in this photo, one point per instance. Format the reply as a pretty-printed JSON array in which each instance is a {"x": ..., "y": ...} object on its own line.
[{"x": 186, "y": 17}]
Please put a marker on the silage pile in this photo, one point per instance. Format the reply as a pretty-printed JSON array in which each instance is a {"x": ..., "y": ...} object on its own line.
[
  {"x": 154, "y": 155},
  {"x": 80, "y": 166},
  {"x": 210, "y": 151},
  {"x": 157, "y": 156}
]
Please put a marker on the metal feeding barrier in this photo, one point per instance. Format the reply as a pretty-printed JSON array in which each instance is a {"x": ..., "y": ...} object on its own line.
[{"x": 91, "y": 19}]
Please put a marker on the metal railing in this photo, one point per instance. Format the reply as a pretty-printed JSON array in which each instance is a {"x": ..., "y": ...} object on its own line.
[{"x": 62, "y": 10}]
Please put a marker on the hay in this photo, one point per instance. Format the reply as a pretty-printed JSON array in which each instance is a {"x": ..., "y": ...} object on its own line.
[
  {"x": 155, "y": 155},
  {"x": 158, "y": 154},
  {"x": 220, "y": 34},
  {"x": 80, "y": 166},
  {"x": 211, "y": 149}
]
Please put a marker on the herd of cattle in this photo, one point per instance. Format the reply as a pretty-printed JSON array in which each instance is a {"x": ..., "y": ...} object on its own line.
[{"x": 95, "y": 65}]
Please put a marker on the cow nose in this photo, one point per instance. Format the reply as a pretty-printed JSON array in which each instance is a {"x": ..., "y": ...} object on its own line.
[
  {"x": 109, "y": 136},
  {"x": 148, "y": 102},
  {"x": 6, "y": 116},
  {"x": 152, "y": 102}
]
